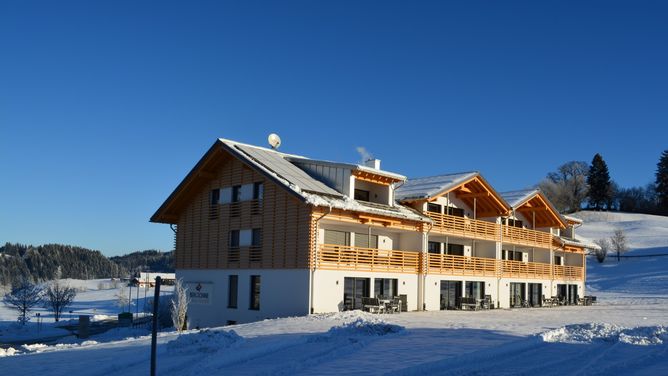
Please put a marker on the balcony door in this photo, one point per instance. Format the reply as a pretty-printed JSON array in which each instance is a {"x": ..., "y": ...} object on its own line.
[
  {"x": 354, "y": 289},
  {"x": 535, "y": 294},
  {"x": 517, "y": 294},
  {"x": 337, "y": 237},
  {"x": 451, "y": 291},
  {"x": 362, "y": 240}
]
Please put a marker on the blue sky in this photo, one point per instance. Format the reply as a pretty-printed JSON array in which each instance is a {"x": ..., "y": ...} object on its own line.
[{"x": 105, "y": 106}]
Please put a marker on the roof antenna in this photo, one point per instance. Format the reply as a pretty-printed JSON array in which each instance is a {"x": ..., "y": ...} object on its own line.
[{"x": 274, "y": 141}]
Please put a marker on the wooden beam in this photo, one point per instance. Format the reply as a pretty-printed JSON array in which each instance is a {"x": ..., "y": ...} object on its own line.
[
  {"x": 206, "y": 174},
  {"x": 474, "y": 195}
]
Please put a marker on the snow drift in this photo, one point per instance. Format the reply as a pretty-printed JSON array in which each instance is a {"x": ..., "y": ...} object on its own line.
[{"x": 602, "y": 332}]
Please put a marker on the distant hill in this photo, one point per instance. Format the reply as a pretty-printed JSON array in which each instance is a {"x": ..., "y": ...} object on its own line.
[
  {"x": 150, "y": 260},
  {"x": 40, "y": 263}
]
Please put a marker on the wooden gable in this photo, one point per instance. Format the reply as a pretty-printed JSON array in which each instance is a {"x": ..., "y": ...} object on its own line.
[{"x": 477, "y": 192}]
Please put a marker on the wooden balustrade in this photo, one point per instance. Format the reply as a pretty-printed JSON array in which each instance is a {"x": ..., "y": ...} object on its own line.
[
  {"x": 340, "y": 257},
  {"x": 523, "y": 236},
  {"x": 477, "y": 229},
  {"x": 464, "y": 227},
  {"x": 460, "y": 265}
]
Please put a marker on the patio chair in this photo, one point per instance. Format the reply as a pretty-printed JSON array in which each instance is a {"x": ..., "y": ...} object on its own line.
[
  {"x": 394, "y": 306},
  {"x": 372, "y": 305}
]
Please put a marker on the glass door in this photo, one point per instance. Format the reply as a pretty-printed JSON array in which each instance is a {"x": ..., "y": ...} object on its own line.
[
  {"x": 535, "y": 294},
  {"x": 517, "y": 294},
  {"x": 451, "y": 291},
  {"x": 354, "y": 289}
]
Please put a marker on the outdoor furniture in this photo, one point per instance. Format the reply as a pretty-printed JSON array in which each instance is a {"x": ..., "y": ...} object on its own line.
[
  {"x": 468, "y": 302},
  {"x": 372, "y": 305},
  {"x": 394, "y": 305},
  {"x": 487, "y": 302}
]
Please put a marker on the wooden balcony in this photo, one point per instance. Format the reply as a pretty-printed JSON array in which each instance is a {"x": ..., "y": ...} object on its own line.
[
  {"x": 461, "y": 265},
  {"x": 523, "y": 236},
  {"x": 464, "y": 227},
  {"x": 341, "y": 257},
  {"x": 476, "y": 229},
  {"x": 488, "y": 267}
]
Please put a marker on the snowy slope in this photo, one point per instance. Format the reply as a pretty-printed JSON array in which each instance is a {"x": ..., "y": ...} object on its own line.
[{"x": 646, "y": 235}]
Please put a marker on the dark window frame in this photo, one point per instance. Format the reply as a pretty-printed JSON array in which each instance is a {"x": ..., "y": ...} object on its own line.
[
  {"x": 233, "y": 291},
  {"x": 362, "y": 195},
  {"x": 234, "y": 239},
  {"x": 255, "y": 289}
]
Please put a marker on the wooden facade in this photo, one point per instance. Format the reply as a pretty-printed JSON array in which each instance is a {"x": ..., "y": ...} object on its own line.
[{"x": 202, "y": 238}]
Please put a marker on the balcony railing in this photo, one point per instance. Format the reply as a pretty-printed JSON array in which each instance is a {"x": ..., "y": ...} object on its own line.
[
  {"x": 477, "y": 229},
  {"x": 341, "y": 257},
  {"x": 465, "y": 227}
]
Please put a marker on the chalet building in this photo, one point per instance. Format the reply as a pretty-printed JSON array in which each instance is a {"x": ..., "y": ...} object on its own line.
[{"x": 262, "y": 234}]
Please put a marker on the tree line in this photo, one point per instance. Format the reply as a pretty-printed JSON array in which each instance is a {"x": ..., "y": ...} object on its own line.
[
  {"x": 20, "y": 262},
  {"x": 576, "y": 185}
]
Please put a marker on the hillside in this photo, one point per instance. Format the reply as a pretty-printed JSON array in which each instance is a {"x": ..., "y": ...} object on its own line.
[
  {"x": 647, "y": 235},
  {"x": 40, "y": 263}
]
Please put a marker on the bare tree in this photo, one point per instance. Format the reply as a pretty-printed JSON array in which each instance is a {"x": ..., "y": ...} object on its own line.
[
  {"x": 179, "y": 306},
  {"x": 567, "y": 187},
  {"x": 603, "y": 252},
  {"x": 58, "y": 296},
  {"x": 618, "y": 242},
  {"x": 122, "y": 299},
  {"x": 24, "y": 298}
]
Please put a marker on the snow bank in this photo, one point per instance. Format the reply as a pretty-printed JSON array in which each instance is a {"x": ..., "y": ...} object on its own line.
[
  {"x": 595, "y": 332},
  {"x": 358, "y": 324},
  {"x": 7, "y": 352},
  {"x": 204, "y": 341}
]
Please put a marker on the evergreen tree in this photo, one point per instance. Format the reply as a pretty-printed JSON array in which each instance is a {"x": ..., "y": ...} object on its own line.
[
  {"x": 662, "y": 183},
  {"x": 600, "y": 188}
]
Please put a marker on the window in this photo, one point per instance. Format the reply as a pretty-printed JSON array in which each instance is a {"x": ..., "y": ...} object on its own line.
[
  {"x": 434, "y": 247},
  {"x": 455, "y": 249},
  {"x": 511, "y": 255},
  {"x": 234, "y": 239},
  {"x": 236, "y": 193},
  {"x": 232, "y": 291},
  {"x": 558, "y": 260},
  {"x": 255, "y": 292},
  {"x": 434, "y": 208},
  {"x": 457, "y": 212},
  {"x": 258, "y": 191},
  {"x": 475, "y": 289},
  {"x": 256, "y": 237},
  {"x": 226, "y": 195},
  {"x": 515, "y": 223},
  {"x": 214, "y": 200},
  {"x": 337, "y": 237},
  {"x": 362, "y": 240},
  {"x": 361, "y": 195},
  {"x": 215, "y": 197},
  {"x": 385, "y": 287},
  {"x": 245, "y": 238}
]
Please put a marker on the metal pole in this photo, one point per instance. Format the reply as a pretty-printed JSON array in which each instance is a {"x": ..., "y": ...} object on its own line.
[
  {"x": 130, "y": 299},
  {"x": 154, "y": 333},
  {"x": 137, "y": 300}
]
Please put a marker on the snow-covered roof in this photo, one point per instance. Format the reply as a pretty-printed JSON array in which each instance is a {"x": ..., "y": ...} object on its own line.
[
  {"x": 279, "y": 166},
  {"x": 518, "y": 197},
  {"x": 427, "y": 187},
  {"x": 572, "y": 219},
  {"x": 346, "y": 203},
  {"x": 350, "y": 166},
  {"x": 579, "y": 242}
]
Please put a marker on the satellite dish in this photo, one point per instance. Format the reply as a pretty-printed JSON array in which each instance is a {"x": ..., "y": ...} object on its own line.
[{"x": 274, "y": 141}]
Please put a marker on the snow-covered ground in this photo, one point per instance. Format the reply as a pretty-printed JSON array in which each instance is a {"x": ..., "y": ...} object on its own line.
[{"x": 625, "y": 333}]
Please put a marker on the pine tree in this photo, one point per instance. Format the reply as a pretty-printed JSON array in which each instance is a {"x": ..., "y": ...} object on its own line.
[
  {"x": 598, "y": 180},
  {"x": 662, "y": 183}
]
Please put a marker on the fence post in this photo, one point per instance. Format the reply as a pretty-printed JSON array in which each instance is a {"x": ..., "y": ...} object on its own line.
[{"x": 154, "y": 333}]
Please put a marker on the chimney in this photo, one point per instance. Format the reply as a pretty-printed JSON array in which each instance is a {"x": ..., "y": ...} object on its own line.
[{"x": 373, "y": 163}]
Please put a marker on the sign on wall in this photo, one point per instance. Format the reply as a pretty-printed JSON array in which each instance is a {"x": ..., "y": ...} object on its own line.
[{"x": 200, "y": 292}]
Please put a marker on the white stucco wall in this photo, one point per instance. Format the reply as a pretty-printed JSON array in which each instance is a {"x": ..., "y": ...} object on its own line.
[{"x": 282, "y": 293}]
